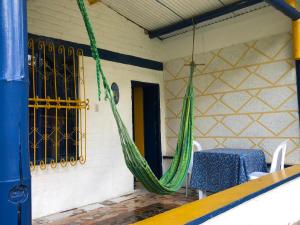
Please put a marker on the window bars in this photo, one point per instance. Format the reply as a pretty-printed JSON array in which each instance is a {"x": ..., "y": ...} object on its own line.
[{"x": 57, "y": 105}]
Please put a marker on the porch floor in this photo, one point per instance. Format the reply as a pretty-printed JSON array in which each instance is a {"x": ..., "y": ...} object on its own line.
[{"x": 122, "y": 210}]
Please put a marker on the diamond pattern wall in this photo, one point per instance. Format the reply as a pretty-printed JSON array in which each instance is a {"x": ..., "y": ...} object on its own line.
[{"x": 245, "y": 97}]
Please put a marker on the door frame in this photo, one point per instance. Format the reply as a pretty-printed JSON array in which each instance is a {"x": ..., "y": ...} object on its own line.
[{"x": 158, "y": 116}]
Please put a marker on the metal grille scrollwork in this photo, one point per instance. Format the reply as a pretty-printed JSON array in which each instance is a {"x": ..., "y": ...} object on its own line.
[{"x": 57, "y": 105}]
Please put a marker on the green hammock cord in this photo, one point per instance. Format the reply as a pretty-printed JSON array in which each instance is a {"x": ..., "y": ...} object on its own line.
[{"x": 172, "y": 180}]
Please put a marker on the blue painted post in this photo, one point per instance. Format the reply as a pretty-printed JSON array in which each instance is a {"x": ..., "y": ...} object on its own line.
[{"x": 15, "y": 181}]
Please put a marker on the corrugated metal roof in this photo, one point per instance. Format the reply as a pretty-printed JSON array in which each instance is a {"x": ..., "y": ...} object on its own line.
[
  {"x": 149, "y": 14},
  {"x": 155, "y": 14},
  {"x": 188, "y": 9}
]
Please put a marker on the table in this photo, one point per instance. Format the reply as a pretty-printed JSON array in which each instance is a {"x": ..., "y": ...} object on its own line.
[{"x": 218, "y": 169}]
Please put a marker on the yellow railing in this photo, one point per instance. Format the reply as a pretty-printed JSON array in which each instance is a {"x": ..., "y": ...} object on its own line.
[{"x": 57, "y": 107}]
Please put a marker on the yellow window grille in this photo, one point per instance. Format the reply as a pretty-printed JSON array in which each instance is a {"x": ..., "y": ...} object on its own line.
[{"x": 57, "y": 105}]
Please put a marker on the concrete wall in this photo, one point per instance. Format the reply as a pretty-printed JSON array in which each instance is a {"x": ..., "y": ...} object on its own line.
[
  {"x": 61, "y": 19},
  {"x": 252, "y": 26},
  {"x": 246, "y": 97},
  {"x": 104, "y": 175}
]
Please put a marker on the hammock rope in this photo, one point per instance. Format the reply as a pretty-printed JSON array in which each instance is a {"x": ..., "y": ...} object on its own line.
[{"x": 173, "y": 178}]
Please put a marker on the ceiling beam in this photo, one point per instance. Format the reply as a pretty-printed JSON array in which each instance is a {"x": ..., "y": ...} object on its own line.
[
  {"x": 203, "y": 17},
  {"x": 285, "y": 8}
]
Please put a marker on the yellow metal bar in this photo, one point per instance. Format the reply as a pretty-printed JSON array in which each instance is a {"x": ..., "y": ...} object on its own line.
[
  {"x": 73, "y": 160},
  {"x": 292, "y": 3},
  {"x": 76, "y": 111},
  {"x": 56, "y": 100},
  {"x": 31, "y": 47},
  {"x": 83, "y": 152},
  {"x": 91, "y": 2},
  {"x": 51, "y": 48},
  {"x": 296, "y": 38},
  {"x": 43, "y": 163},
  {"x": 80, "y": 55},
  {"x": 296, "y": 32},
  {"x": 82, "y": 158},
  {"x": 62, "y": 50},
  {"x": 34, "y": 138},
  {"x": 53, "y": 163},
  {"x": 56, "y": 107},
  {"x": 42, "y": 46}
]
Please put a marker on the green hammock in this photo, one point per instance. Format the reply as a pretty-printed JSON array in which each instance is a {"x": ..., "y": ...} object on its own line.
[{"x": 171, "y": 181}]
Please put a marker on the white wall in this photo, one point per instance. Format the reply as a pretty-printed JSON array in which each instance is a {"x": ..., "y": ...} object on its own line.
[
  {"x": 61, "y": 19},
  {"x": 246, "y": 97},
  {"x": 279, "y": 206},
  {"x": 104, "y": 175},
  {"x": 244, "y": 28},
  {"x": 260, "y": 24}
]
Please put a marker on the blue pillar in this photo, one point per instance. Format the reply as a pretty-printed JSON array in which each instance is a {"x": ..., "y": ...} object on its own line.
[{"x": 15, "y": 181}]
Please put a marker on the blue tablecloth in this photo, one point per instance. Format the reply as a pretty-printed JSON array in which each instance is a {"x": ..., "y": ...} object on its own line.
[{"x": 218, "y": 169}]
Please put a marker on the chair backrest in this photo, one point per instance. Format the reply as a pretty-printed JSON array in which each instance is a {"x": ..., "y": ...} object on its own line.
[
  {"x": 196, "y": 148},
  {"x": 278, "y": 157}
]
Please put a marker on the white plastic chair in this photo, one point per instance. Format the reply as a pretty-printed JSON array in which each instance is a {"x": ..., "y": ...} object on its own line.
[
  {"x": 277, "y": 161},
  {"x": 196, "y": 147}
]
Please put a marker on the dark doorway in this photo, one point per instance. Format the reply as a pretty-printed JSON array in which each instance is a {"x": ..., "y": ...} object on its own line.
[{"x": 146, "y": 123}]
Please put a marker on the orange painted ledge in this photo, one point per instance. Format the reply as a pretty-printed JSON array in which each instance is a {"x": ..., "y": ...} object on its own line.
[{"x": 200, "y": 208}]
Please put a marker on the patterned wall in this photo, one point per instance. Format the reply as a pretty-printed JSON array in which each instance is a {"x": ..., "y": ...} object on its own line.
[{"x": 245, "y": 97}]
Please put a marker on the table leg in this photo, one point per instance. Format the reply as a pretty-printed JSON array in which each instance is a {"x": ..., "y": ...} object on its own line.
[{"x": 201, "y": 194}]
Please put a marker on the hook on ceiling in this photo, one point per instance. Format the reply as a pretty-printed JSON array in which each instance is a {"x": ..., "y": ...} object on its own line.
[{"x": 92, "y": 2}]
